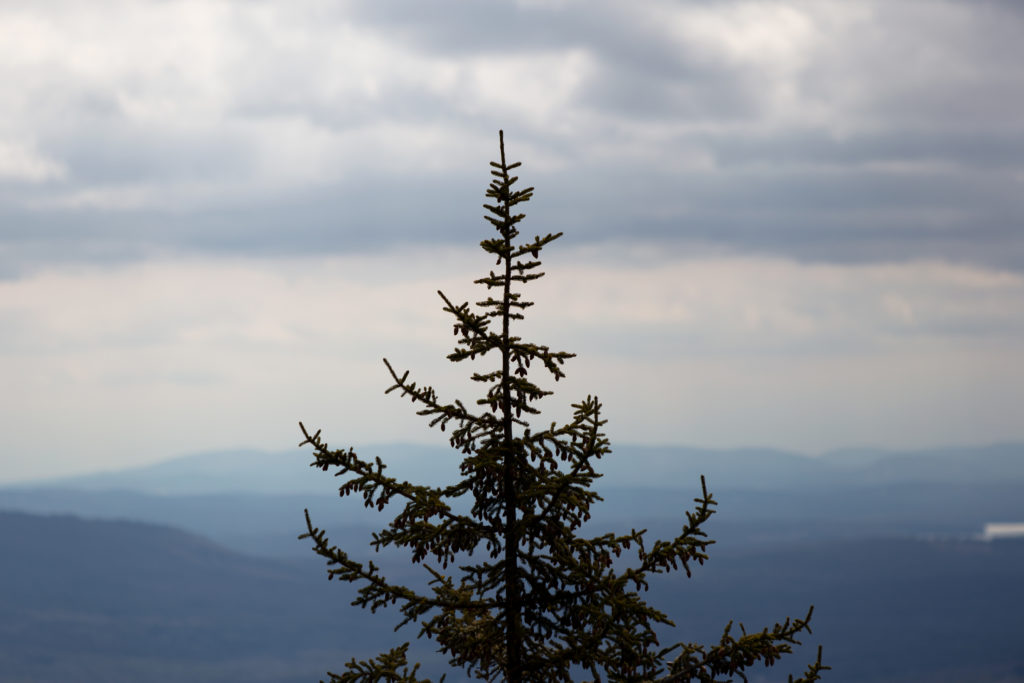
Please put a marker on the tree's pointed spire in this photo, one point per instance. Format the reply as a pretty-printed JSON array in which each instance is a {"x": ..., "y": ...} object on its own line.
[{"x": 532, "y": 600}]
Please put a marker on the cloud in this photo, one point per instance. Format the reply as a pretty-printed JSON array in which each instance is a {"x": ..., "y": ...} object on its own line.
[
  {"x": 19, "y": 162},
  {"x": 149, "y": 359},
  {"x": 793, "y": 223},
  {"x": 823, "y": 131}
]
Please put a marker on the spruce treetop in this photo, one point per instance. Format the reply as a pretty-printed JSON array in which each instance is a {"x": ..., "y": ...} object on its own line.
[{"x": 514, "y": 593}]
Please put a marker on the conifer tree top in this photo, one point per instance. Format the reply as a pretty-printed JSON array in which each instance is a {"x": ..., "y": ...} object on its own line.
[{"x": 516, "y": 591}]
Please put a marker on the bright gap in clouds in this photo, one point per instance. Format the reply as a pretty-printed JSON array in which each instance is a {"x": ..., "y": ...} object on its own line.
[{"x": 111, "y": 367}]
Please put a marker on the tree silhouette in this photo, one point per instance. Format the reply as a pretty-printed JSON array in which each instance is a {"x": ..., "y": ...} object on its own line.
[{"x": 540, "y": 603}]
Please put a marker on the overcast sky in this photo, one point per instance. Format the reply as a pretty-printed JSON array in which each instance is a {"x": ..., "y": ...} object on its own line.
[{"x": 787, "y": 224}]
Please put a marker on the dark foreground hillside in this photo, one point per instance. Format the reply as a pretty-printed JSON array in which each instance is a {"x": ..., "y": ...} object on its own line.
[{"x": 93, "y": 601}]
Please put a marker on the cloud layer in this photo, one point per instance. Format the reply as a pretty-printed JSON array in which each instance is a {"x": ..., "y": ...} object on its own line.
[
  {"x": 164, "y": 357},
  {"x": 788, "y": 223},
  {"x": 821, "y": 131}
]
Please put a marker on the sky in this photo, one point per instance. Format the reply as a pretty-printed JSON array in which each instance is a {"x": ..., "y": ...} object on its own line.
[{"x": 789, "y": 224}]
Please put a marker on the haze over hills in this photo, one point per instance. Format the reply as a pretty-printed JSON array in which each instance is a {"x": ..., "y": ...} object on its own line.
[
  {"x": 239, "y": 471},
  {"x": 252, "y": 502},
  {"x": 671, "y": 467},
  {"x": 215, "y": 587}
]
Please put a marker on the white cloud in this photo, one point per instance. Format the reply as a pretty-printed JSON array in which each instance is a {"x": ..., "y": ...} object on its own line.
[
  {"x": 21, "y": 162},
  {"x": 144, "y": 361},
  {"x": 757, "y": 305},
  {"x": 766, "y": 36}
]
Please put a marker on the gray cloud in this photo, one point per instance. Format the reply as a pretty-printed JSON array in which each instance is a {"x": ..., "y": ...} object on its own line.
[{"x": 817, "y": 131}]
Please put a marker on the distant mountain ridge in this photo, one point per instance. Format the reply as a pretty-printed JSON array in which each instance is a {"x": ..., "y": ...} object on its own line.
[
  {"x": 236, "y": 471},
  {"x": 849, "y": 531},
  {"x": 667, "y": 467},
  {"x": 769, "y": 469},
  {"x": 253, "y": 502},
  {"x": 105, "y": 601}
]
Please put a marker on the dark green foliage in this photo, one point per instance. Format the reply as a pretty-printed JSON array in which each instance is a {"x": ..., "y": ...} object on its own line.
[{"x": 541, "y": 603}]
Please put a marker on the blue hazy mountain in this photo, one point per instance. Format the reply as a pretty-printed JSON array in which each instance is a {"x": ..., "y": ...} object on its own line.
[
  {"x": 246, "y": 470},
  {"x": 268, "y": 525},
  {"x": 191, "y": 570},
  {"x": 667, "y": 467},
  {"x": 93, "y": 601},
  {"x": 253, "y": 502}
]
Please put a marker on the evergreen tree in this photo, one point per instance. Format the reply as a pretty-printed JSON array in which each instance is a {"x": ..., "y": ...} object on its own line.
[{"x": 541, "y": 603}]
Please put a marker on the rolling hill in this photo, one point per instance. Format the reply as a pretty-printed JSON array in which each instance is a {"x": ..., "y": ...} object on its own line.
[{"x": 109, "y": 601}]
